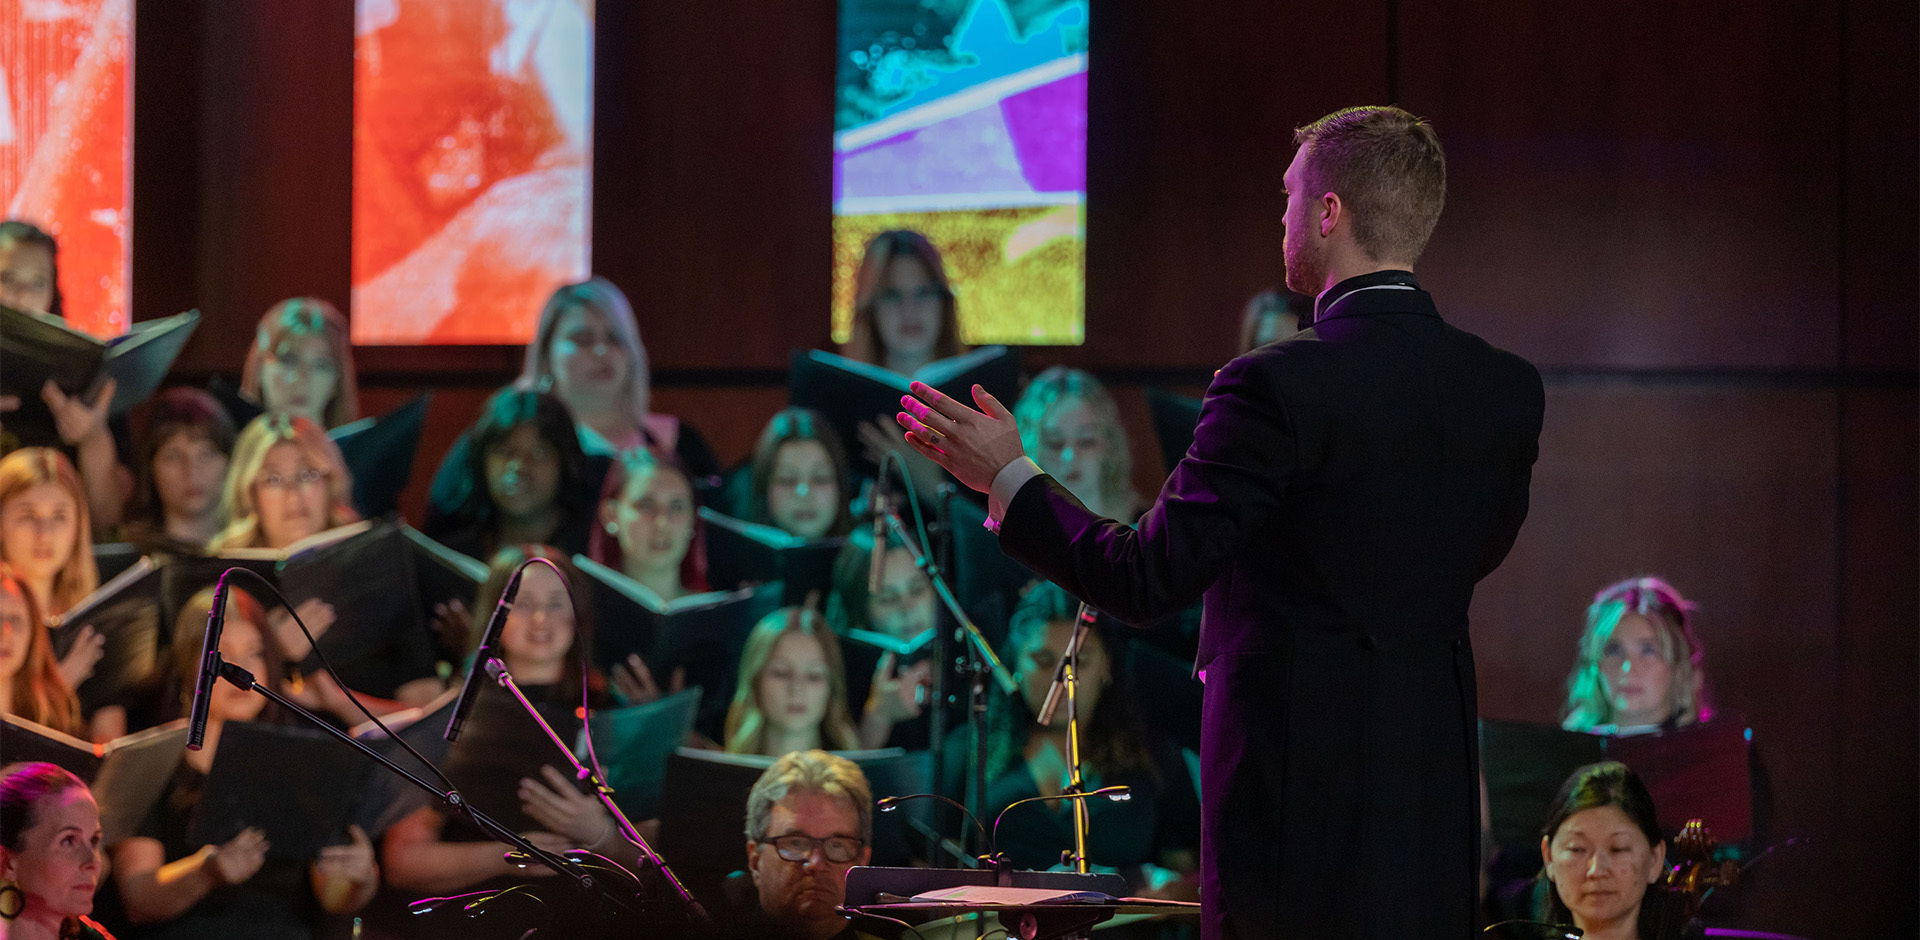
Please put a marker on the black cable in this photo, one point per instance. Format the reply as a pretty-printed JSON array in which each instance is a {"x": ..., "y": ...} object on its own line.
[{"x": 324, "y": 664}]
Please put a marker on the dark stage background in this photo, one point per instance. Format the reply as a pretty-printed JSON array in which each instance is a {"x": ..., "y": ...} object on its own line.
[{"x": 1700, "y": 222}]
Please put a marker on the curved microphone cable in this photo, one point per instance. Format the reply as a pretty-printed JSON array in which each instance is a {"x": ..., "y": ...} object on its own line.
[
  {"x": 1118, "y": 794},
  {"x": 1551, "y": 931},
  {"x": 888, "y": 804},
  {"x": 324, "y": 664}
]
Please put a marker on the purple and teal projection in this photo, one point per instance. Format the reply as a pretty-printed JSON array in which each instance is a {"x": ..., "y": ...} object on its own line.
[{"x": 967, "y": 120}]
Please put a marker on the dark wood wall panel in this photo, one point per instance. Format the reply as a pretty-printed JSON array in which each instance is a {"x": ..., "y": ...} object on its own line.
[
  {"x": 1191, "y": 119},
  {"x": 1666, "y": 480},
  {"x": 713, "y": 175},
  {"x": 276, "y": 164},
  {"x": 1879, "y": 657},
  {"x": 1634, "y": 185},
  {"x": 1879, "y": 268}
]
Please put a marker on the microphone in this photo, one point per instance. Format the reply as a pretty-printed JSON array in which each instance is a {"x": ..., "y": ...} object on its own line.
[
  {"x": 470, "y": 689},
  {"x": 1081, "y": 623},
  {"x": 878, "y": 559},
  {"x": 209, "y": 668}
]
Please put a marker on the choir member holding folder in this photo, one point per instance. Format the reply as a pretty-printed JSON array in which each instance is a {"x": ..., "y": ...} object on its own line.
[
  {"x": 288, "y": 483},
  {"x": 289, "y": 867},
  {"x": 889, "y": 638},
  {"x": 502, "y": 762},
  {"x": 31, "y": 686},
  {"x": 906, "y": 325},
  {"x": 46, "y": 538}
]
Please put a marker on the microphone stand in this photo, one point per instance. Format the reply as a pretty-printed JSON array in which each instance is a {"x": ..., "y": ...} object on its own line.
[
  {"x": 1067, "y": 677},
  {"x": 498, "y": 670},
  {"x": 561, "y": 865},
  {"x": 981, "y": 662},
  {"x": 937, "y": 695}
]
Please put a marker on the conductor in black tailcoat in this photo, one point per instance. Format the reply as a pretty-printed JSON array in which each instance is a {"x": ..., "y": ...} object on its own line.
[{"x": 1345, "y": 491}]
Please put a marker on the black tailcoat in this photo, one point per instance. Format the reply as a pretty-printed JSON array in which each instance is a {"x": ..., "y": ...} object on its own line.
[{"x": 1345, "y": 490}]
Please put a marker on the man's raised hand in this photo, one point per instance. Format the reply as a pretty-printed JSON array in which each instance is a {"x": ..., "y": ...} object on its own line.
[{"x": 972, "y": 445}]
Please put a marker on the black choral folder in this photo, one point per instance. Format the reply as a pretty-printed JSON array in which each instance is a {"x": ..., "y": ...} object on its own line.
[
  {"x": 126, "y": 613},
  {"x": 388, "y": 797},
  {"x": 741, "y": 552},
  {"x": 379, "y": 453},
  {"x": 382, "y": 633},
  {"x": 848, "y": 392},
  {"x": 501, "y": 744},
  {"x": 299, "y": 785},
  {"x": 37, "y": 349},
  {"x": 633, "y": 744},
  {"x": 1698, "y": 771},
  {"x": 127, "y": 774}
]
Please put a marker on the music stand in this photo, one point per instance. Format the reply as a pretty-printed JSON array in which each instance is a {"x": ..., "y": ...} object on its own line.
[{"x": 867, "y": 885}]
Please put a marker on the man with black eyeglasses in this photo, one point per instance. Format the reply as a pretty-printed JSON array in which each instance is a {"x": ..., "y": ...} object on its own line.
[{"x": 809, "y": 819}]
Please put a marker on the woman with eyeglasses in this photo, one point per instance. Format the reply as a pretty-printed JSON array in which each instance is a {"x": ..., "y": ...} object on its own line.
[
  {"x": 904, "y": 318},
  {"x": 1639, "y": 665},
  {"x": 904, "y": 608},
  {"x": 301, "y": 363}
]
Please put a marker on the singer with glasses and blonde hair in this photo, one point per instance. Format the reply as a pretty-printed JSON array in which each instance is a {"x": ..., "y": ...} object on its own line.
[{"x": 287, "y": 482}]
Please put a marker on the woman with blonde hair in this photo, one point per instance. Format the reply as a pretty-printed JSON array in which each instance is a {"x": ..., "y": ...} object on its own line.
[
  {"x": 586, "y": 351},
  {"x": 791, "y": 694},
  {"x": 904, "y": 314},
  {"x": 1638, "y": 668},
  {"x": 287, "y": 482},
  {"x": 301, "y": 363},
  {"x": 31, "y": 686},
  {"x": 1072, "y": 428}
]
